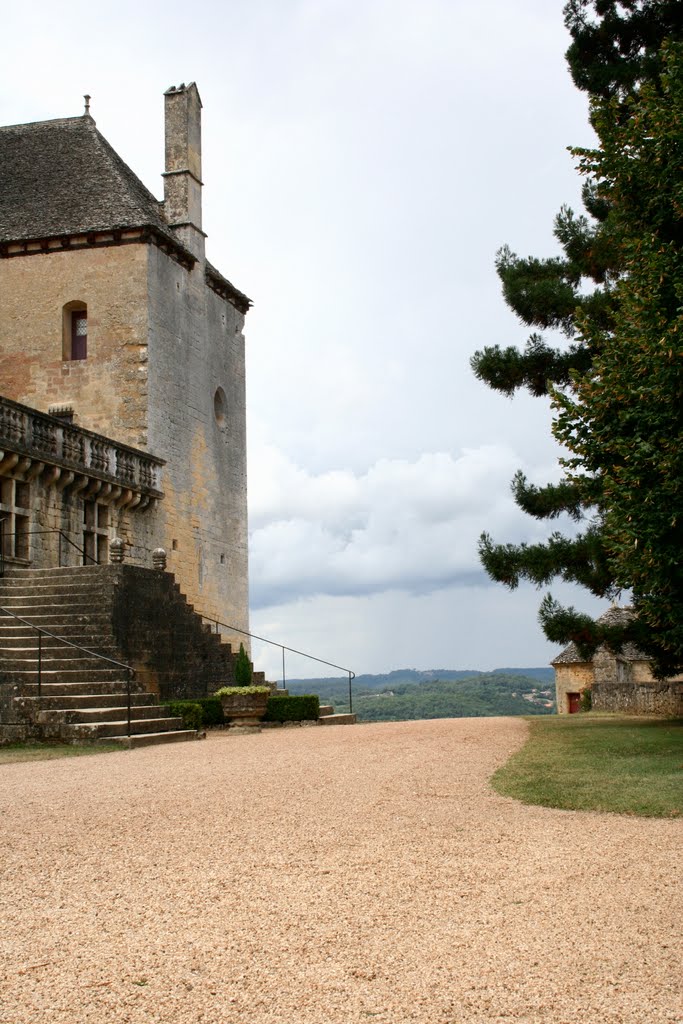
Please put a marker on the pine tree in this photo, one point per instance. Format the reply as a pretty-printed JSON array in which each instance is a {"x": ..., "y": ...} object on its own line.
[
  {"x": 616, "y": 43},
  {"x": 615, "y": 50},
  {"x": 623, "y": 422}
]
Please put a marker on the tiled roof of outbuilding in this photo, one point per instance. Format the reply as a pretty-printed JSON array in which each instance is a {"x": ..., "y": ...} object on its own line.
[
  {"x": 614, "y": 616},
  {"x": 62, "y": 177}
]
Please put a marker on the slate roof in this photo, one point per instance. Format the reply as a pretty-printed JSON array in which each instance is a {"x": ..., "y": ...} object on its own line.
[
  {"x": 62, "y": 177},
  {"x": 612, "y": 617},
  {"x": 215, "y": 280}
]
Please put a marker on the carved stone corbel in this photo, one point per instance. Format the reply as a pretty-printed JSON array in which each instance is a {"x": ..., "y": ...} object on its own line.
[
  {"x": 93, "y": 488},
  {"x": 126, "y": 498},
  {"x": 65, "y": 480},
  {"x": 80, "y": 483},
  {"x": 9, "y": 461},
  {"x": 52, "y": 474}
]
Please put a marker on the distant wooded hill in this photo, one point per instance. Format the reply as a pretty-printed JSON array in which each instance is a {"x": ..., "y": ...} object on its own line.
[{"x": 437, "y": 693}]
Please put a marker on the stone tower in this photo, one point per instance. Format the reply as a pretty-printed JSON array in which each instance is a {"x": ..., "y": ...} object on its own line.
[{"x": 109, "y": 308}]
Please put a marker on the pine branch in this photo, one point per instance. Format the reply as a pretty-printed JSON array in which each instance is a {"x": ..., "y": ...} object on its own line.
[
  {"x": 538, "y": 368},
  {"x": 569, "y": 496},
  {"x": 579, "y": 559}
]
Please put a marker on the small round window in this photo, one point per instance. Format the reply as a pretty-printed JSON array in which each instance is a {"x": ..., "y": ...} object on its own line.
[{"x": 219, "y": 405}]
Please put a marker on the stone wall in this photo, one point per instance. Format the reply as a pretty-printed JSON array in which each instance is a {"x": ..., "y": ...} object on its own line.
[
  {"x": 157, "y": 631},
  {"x": 108, "y": 390},
  {"x": 629, "y": 687},
  {"x": 197, "y": 424}
]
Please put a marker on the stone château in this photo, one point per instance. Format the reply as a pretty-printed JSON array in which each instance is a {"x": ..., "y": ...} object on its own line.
[{"x": 121, "y": 362}]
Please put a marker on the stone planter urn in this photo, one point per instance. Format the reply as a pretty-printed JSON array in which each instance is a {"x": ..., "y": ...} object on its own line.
[{"x": 243, "y": 705}]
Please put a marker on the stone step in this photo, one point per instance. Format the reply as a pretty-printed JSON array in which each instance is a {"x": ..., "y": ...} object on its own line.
[
  {"x": 29, "y": 608},
  {"x": 41, "y": 595},
  {"x": 147, "y": 739},
  {"x": 23, "y": 646},
  {"x": 54, "y": 572},
  {"x": 104, "y": 674},
  {"x": 325, "y": 709},
  {"x": 38, "y": 612},
  {"x": 83, "y": 701},
  {"x": 338, "y": 719},
  {"x": 89, "y": 731},
  {"x": 30, "y": 629},
  {"x": 94, "y": 687},
  {"x": 11, "y": 627},
  {"x": 18, "y": 585},
  {"x": 65, "y": 587},
  {"x": 52, "y": 662},
  {"x": 138, "y": 712}
]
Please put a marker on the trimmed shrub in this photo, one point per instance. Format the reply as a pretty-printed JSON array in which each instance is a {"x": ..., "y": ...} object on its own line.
[
  {"x": 212, "y": 711},
  {"x": 303, "y": 707},
  {"x": 190, "y": 711},
  {"x": 244, "y": 672}
]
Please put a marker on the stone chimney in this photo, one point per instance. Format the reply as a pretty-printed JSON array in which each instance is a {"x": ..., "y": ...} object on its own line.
[{"x": 183, "y": 174}]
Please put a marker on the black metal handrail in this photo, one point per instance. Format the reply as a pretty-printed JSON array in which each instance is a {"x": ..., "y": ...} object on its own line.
[
  {"x": 41, "y": 632},
  {"x": 283, "y": 647},
  {"x": 67, "y": 538},
  {"x": 28, "y": 533}
]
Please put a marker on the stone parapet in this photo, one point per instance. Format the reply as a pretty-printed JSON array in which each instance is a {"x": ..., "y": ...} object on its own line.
[{"x": 33, "y": 442}]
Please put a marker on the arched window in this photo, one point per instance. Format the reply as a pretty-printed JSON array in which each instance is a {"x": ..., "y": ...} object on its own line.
[{"x": 75, "y": 331}]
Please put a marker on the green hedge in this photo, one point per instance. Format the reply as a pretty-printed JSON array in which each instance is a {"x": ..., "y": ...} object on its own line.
[
  {"x": 212, "y": 711},
  {"x": 190, "y": 711},
  {"x": 205, "y": 711},
  {"x": 300, "y": 708}
]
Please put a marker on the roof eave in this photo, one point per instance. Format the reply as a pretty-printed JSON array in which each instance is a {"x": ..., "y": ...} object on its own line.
[
  {"x": 100, "y": 236},
  {"x": 227, "y": 290}
]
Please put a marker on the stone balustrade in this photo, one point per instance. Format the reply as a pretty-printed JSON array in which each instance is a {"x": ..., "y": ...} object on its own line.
[{"x": 51, "y": 441}]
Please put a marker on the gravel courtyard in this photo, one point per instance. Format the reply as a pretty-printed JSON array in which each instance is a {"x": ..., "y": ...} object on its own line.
[{"x": 328, "y": 876}]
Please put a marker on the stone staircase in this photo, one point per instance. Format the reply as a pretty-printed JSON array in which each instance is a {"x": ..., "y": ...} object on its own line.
[{"x": 83, "y": 697}]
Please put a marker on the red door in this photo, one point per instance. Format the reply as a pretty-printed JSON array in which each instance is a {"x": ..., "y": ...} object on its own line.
[{"x": 574, "y": 700}]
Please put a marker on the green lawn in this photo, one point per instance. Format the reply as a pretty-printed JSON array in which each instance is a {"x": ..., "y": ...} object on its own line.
[
  {"x": 592, "y": 762},
  {"x": 14, "y": 752}
]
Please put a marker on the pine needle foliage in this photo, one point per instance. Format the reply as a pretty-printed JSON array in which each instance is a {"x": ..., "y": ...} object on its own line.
[{"x": 616, "y": 381}]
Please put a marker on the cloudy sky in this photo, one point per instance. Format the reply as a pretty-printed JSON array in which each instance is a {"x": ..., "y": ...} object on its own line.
[{"x": 363, "y": 161}]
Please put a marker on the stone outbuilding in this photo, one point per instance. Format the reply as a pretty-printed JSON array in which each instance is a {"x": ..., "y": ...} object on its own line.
[{"x": 617, "y": 682}]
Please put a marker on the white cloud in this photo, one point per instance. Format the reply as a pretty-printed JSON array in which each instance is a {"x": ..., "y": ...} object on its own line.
[{"x": 410, "y": 525}]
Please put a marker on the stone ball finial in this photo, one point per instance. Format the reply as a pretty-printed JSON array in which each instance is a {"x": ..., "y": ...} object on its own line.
[
  {"x": 116, "y": 550},
  {"x": 159, "y": 558}
]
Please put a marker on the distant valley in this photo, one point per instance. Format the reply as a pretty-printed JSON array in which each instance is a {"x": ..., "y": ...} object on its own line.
[{"x": 406, "y": 694}]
